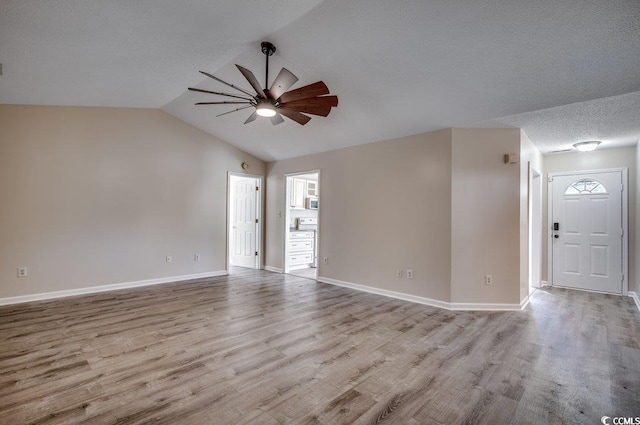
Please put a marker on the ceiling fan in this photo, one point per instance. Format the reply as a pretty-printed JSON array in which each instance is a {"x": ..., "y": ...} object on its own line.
[{"x": 276, "y": 101}]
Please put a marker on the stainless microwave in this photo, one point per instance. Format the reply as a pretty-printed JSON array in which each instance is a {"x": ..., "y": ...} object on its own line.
[{"x": 311, "y": 203}]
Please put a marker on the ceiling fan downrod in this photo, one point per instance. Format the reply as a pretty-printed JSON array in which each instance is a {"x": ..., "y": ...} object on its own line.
[{"x": 268, "y": 49}]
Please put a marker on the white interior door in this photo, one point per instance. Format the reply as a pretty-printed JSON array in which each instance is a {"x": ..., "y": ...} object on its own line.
[
  {"x": 244, "y": 227},
  {"x": 587, "y": 229}
]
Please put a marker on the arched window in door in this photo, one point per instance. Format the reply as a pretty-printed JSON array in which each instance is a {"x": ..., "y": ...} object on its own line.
[{"x": 585, "y": 187}]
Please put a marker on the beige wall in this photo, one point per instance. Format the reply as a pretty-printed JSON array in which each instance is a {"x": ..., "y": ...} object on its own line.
[
  {"x": 384, "y": 206},
  {"x": 95, "y": 196},
  {"x": 485, "y": 236},
  {"x": 598, "y": 159},
  {"x": 443, "y": 204}
]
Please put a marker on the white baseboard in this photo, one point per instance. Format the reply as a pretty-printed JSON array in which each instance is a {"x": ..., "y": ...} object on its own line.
[
  {"x": 385, "y": 292},
  {"x": 525, "y": 302},
  {"x": 634, "y": 295},
  {"x": 273, "y": 269},
  {"x": 105, "y": 288},
  {"x": 489, "y": 306},
  {"x": 425, "y": 301}
]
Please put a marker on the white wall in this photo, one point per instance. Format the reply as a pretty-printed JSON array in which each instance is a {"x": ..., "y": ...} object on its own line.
[
  {"x": 530, "y": 159},
  {"x": 95, "y": 196},
  {"x": 384, "y": 206},
  {"x": 598, "y": 159}
]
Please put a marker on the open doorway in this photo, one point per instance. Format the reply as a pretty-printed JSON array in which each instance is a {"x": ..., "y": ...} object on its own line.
[
  {"x": 244, "y": 238},
  {"x": 302, "y": 211}
]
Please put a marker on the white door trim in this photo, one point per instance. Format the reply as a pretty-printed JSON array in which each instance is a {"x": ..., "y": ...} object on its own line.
[
  {"x": 535, "y": 231},
  {"x": 625, "y": 220},
  {"x": 287, "y": 218},
  {"x": 260, "y": 226}
]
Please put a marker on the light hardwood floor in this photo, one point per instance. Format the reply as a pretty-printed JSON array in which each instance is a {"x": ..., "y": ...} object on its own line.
[{"x": 265, "y": 348}]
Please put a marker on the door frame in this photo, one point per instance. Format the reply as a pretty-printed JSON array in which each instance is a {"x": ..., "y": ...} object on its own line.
[
  {"x": 535, "y": 228},
  {"x": 287, "y": 218},
  {"x": 625, "y": 221},
  {"x": 259, "y": 227}
]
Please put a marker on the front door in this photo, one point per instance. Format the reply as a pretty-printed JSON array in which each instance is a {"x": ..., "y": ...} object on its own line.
[
  {"x": 587, "y": 231},
  {"x": 244, "y": 225}
]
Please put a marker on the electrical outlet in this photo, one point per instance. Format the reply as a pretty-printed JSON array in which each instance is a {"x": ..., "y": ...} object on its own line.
[
  {"x": 23, "y": 272},
  {"x": 196, "y": 257},
  {"x": 168, "y": 259},
  {"x": 399, "y": 274},
  {"x": 488, "y": 280},
  {"x": 409, "y": 274},
  {"x": 325, "y": 260}
]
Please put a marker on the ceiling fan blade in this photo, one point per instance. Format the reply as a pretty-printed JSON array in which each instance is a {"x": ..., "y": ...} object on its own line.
[
  {"x": 294, "y": 115},
  {"x": 223, "y": 103},
  {"x": 219, "y": 93},
  {"x": 312, "y": 90},
  {"x": 252, "y": 80},
  {"x": 226, "y": 84},
  {"x": 277, "y": 119},
  {"x": 313, "y": 101},
  {"x": 282, "y": 83},
  {"x": 252, "y": 117},
  {"x": 322, "y": 111},
  {"x": 235, "y": 110}
]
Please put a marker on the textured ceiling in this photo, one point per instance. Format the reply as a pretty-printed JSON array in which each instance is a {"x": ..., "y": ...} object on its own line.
[
  {"x": 399, "y": 68},
  {"x": 615, "y": 121}
]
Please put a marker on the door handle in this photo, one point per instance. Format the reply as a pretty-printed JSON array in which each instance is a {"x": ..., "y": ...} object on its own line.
[{"x": 556, "y": 236}]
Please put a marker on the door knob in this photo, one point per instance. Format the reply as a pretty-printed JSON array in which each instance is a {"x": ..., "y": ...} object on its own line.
[{"x": 556, "y": 236}]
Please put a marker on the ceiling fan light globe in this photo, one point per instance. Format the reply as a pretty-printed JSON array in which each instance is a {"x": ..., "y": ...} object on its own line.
[
  {"x": 586, "y": 146},
  {"x": 265, "y": 111}
]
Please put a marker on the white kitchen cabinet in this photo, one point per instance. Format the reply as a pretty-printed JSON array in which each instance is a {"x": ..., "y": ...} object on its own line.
[
  {"x": 298, "y": 193},
  {"x": 312, "y": 189},
  {"x": 302, "y": 248}
]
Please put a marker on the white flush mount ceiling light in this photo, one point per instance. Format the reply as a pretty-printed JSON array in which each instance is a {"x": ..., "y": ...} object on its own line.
[{"x": 586, "y": 146}]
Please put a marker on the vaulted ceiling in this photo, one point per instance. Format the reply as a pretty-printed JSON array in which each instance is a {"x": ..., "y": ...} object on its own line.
[{"x": 564, "y": 71}]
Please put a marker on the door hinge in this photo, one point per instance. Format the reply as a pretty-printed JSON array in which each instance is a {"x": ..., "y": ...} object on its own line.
[
  {"x": 550, "y": 179},
  {"x": 257, "y": 188},
  {"x": 621, "y": 232},
  {"x": 256, "y": 220},
  {"x": 622, "y": 277},
  {"x": 256, "y": 252}
]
